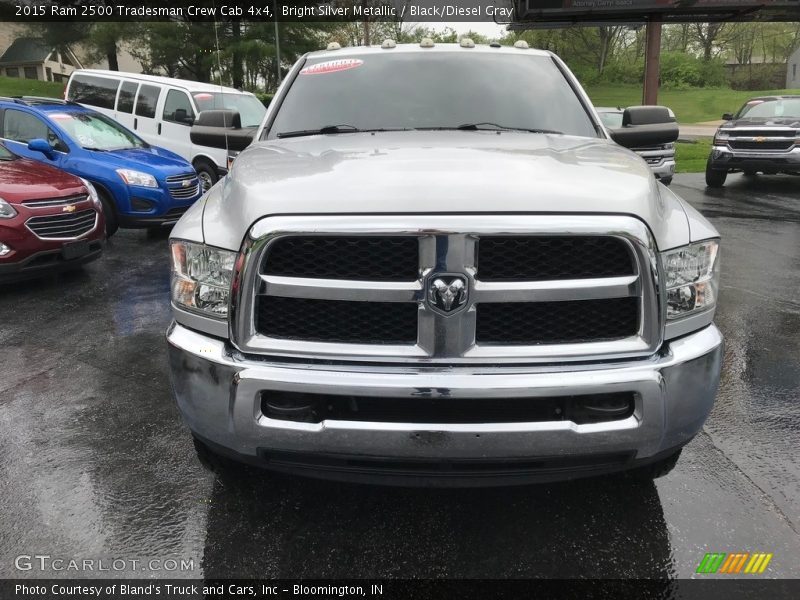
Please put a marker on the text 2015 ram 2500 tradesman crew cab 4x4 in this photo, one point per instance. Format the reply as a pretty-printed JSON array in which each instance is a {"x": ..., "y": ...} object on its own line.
[{"x": 435, "y": 264}]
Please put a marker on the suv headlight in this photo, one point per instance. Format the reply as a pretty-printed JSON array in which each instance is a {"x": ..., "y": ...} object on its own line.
[
  {"x": 132, "y": 177},
  {"x": 201, "y": 277},
  {"x": 92, "y": 191},
  {"x": 691, "y": 275},
  {"x": 6, "y": 210}
]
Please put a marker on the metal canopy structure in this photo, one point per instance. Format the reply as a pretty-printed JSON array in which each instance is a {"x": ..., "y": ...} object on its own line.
[
  {"x": 540, "y": 14},
  {"x": 554, "y": 13}
]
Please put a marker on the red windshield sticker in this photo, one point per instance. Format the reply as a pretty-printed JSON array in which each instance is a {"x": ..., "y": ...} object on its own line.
[
  {"x": 203, "y": 96},
  {"x": 59, "y": 116},
  {"x": 332, "y": 66}
]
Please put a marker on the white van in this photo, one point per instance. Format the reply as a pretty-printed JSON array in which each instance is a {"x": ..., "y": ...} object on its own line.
[{"x": 161, "y": 110}]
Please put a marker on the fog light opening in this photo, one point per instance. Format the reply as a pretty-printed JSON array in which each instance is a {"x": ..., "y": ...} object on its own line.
[{"x": 291, "y": 407}]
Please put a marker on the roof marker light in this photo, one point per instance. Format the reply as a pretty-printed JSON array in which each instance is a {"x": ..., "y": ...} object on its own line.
[
  {"x": 466, "y": 43},
  {"x": 388, "y": 44},
  {"x": 426, "y": 43},
  {"x": 334, "y": 46},
  {"x": 521, "y": 44}
]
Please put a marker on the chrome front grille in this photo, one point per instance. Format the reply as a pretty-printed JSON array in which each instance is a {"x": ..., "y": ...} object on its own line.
[
  {"x": 48, "y": 202},
  {"x": 537, "y": 288},
  {"x": 762, "y": 140},
  {"x": 63, "y": 226},
  {"x": 183, "y": 187}
]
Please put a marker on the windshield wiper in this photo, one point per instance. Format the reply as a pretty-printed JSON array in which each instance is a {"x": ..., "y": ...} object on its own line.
[
  {"x": 344, "y": 128},
  {"x": 487, "y": 126},
  {"x": 337, "y": 129},
  {"x": 95, "y": 149}
]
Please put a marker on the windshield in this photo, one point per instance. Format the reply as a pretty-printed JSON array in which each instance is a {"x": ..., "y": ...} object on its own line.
[
  {"x": 770, "y": 109},
  {"x": 5, "y": 154},
  {"x": 249, "y": 108},
  {"x": 94, "y": 131},
  {"x": 416, "y": 90},
  {"x": 612, "y": 120}
]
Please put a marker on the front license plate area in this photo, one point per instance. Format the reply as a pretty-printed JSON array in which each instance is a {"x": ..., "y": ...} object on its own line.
[{"x": 74, "y": 250}]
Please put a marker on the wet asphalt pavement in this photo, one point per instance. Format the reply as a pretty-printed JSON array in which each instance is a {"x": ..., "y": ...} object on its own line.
[{"x": 96, "y": 464}]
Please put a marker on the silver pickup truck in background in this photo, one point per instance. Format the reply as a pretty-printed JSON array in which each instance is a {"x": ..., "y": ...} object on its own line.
[{"x": 435, "y": 265}]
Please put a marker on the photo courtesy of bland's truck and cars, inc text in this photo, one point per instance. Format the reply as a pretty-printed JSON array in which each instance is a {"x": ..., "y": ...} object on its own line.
[{"x": 390, "y": 299}]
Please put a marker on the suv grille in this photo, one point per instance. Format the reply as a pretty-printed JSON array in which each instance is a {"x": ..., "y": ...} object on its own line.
[
  {"x": 549, "y": 258},
  {"x": 521, "y": 288},
  {"x": 64, "y": 225},
  {"x": 557, "y": 322},
  {"x": 48, "y": 202},
  {"x": 183, "y": 187},
  {"x": 356, "y": 258},
  {"x": 337, "y": 321}
]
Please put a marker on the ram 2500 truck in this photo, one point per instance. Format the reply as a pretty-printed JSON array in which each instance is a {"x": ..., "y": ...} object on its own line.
[{"x": 436, "y": 265}]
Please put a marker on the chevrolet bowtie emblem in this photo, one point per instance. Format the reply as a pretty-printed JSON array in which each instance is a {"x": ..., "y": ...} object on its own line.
[
  {"x": 186, "y": 183},
  {"x": 70, "y": 208},
  {"x": 761, "y": 139}
]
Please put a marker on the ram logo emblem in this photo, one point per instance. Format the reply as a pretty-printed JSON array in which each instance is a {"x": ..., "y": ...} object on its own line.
[{"x": 447, "y": 293}]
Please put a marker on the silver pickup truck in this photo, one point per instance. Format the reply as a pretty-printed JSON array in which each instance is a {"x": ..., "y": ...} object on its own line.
[{"x": 435, "y": 265}]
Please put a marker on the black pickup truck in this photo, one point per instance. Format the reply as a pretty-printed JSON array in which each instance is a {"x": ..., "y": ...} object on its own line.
[{"x": 763, "y": 137}]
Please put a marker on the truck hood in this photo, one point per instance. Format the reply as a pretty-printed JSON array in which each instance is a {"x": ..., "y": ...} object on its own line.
[
  {"x": 439, "y": 172},
  {"x": 762, "y": 122}
]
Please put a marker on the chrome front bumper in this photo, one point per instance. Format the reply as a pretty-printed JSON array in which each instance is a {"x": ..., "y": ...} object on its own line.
[{"x": 218, "y": 391}]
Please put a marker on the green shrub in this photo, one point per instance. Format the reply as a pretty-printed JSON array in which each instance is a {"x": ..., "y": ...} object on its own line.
[
  {"x": 758, "y": 77},
  {"x": 264, "y": 97}
]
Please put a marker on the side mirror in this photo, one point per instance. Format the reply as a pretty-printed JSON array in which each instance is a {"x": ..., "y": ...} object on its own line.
[
  {"x": 181, "y": 116},
  {"x": 727, "y": 117},
  {"x": 40, "y": 145},
  {"x": 221, "y": 129},
  {"x": 220, "y": 118},
  {"x": 644, "y": 126}
]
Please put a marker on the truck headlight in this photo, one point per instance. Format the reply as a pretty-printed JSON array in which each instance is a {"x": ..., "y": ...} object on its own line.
[
  {"x": 6, "y": 210},
  {"x": 691, "y": 275},
  {"x": 721, "y": 138},
  {"x": 132, "y": 177},
  {"x": 201, "y": 277}
]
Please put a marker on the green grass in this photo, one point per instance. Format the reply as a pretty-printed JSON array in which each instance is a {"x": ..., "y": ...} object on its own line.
[
  {"x": 690, "y": 106},
  {"x": 690, "y": 157},
  {"x": 13, "y": 86}
]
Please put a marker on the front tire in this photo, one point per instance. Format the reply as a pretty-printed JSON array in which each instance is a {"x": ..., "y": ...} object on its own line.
[
  {"x": 666, "y": 180},
  {"x": 110, "y": 214},
  {"x": 714, "y": 177},
  {"x": 206, "y": 173}
]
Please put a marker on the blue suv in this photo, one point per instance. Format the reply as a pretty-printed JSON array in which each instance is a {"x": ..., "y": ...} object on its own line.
[{"x": 139, "y": 185}]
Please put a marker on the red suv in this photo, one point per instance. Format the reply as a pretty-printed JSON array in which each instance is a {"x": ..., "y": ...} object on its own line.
[{"x": 49, "y": 219}]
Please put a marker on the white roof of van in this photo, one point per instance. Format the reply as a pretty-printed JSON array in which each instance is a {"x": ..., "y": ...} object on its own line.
[{"x": 190, "y": 86}]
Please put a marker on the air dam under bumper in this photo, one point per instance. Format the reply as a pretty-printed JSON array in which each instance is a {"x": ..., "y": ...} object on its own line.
[{"x": 219, "y": 394}]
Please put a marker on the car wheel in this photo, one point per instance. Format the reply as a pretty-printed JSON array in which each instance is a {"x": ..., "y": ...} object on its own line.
[
  {"x": 110, "y": 213},
  {"x": 714, "y": 177},
  {"x": 206, "y": 173},
  {"x": 666, "y": 180}
]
